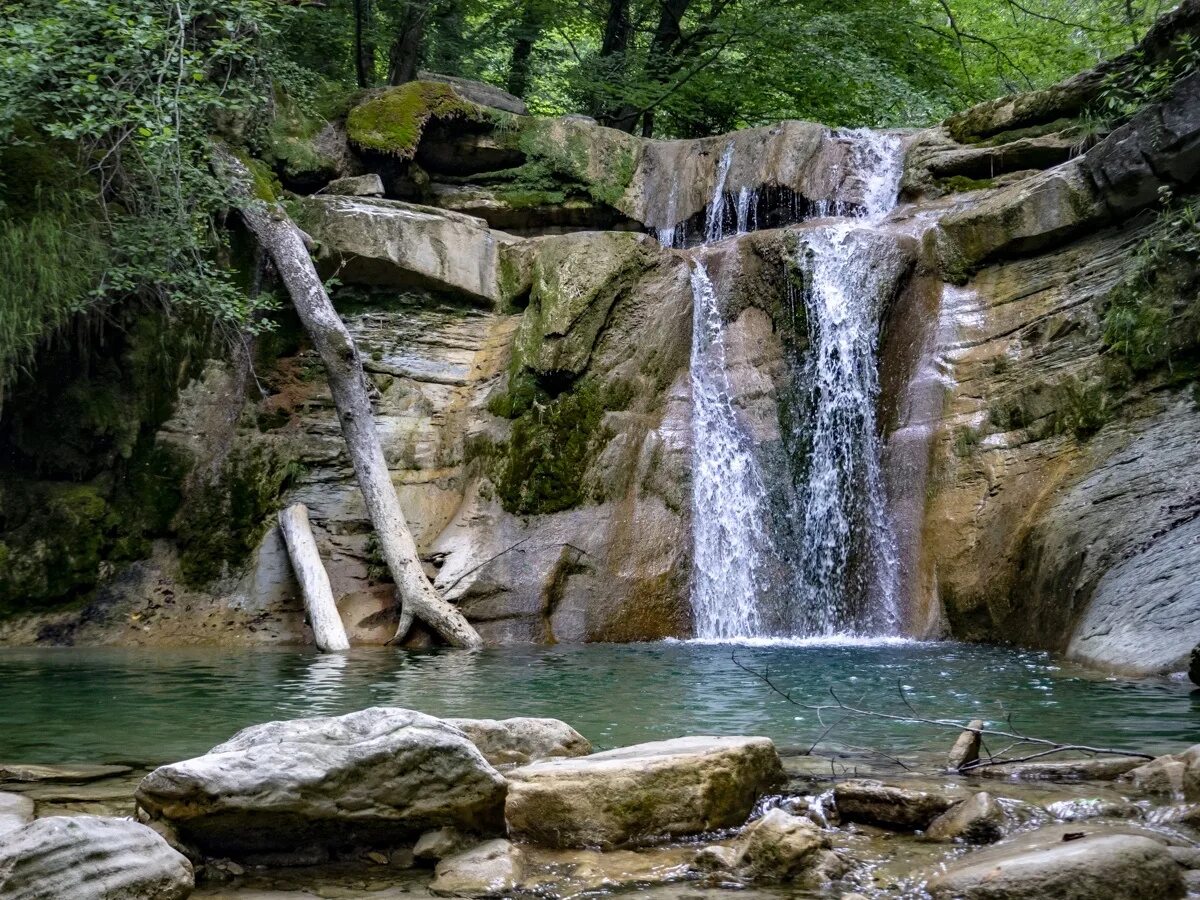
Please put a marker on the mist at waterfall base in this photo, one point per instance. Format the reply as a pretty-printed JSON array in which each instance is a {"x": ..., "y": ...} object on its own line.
[
  {"x": 834, "y": 551},
  {"x": 148, "y": 706}
]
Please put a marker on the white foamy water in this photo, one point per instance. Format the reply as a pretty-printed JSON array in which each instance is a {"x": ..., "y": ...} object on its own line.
[
  {"x": 729, "y": 511},
  {"x": 843, "y": 566}
]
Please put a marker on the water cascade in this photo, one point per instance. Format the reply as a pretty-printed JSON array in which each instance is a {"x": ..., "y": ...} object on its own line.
[
  {"x": 728, "y": 495},
  {"x": 840, "y": 560}
]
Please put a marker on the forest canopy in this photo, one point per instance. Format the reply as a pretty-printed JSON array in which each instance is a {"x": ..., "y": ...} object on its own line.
[{"x": 108, "y": 108}]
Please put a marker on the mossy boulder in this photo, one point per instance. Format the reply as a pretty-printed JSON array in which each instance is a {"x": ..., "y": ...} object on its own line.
[
  {"x": 1031, "y": 215},
  {"x": 603, "y": 160},
  {"x": 575, "y": 281},
  {"x": 393, "y": 122}
]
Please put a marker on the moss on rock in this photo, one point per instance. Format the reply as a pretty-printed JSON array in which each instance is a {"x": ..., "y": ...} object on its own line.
[
  {"x": 553, "y": 439},
  {"x": 602, "y": 160},
  {"x": 225, "y": 516},
  {"x": 393, "y": 122}
]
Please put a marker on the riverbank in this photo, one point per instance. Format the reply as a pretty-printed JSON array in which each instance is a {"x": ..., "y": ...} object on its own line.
[{"x": 840, "y": 824}]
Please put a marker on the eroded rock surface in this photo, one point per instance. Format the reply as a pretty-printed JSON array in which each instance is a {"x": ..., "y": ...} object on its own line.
[
  {"x": 91, "y": 858},
  {"x": 522, "y": 739},
  {"x": 667, "y": 788},
  {"x": 371, "y": 777}
]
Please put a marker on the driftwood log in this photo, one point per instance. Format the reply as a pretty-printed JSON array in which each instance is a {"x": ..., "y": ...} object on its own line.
[
  {"x": 328, "y": 631},
  {"x": 284, "y": 243}
]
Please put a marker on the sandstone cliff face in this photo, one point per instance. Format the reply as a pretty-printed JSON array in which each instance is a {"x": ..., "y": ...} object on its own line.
[
  {"x": 533, "y": 396},
  {"x": 1061, "y": 497}
]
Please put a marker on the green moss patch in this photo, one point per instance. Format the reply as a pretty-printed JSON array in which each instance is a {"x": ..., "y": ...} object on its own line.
[
  {"x": 554, "y": 439},
  {"x": 57, "y": 538},
  {"x": 225, "y": 517},
  {"x": 393, "y": 122},
  {"x": 601, "y": 160}
]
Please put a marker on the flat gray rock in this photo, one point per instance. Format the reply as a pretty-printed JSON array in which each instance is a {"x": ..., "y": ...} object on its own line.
[
  {"x": 77, "y": 774},
  {"x": 16, "y": 811},
  {"x": 666, "y": 788},
  {"x": 901, "y": 809},
  {"x": 379, "y": 776},
  {"x": 1047, "y": 866},
  {"x": 522, "y": 740},
  {"x": 91, "y": 858}
]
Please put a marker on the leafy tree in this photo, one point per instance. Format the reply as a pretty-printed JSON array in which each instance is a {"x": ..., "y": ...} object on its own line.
[{"x": 133, "y": 91}]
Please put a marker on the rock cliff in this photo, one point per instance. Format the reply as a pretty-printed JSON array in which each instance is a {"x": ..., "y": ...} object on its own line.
[{"x": 528, "y": 343}]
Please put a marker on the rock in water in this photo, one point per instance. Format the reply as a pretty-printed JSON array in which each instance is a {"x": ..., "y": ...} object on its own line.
[
  {"x": 667, "y": 788},
  {"x": 976, "y": 820},
  {"x": 1194, "y": 665},
  {"x": 492, "y": 868},
  {"x": 1176, "y": 774},
  {"x": 440, "y": 843},
  {"x": 356, "y": 186},
  {"x": 522, "y": 740},
  {"x": 378, "y": 776},
  {"x": 783, "y": 847},
  {"x": 874, "y": 803},
  {"x": 1040, "y": 868},
  {"x": 16, "y": 811},
  {"x": 966, "y": 749},
  {"x": 91, "y": 858}
]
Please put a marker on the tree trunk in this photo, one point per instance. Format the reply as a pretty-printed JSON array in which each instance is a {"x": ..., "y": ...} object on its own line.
[
  {"x": 284, "y": 243},
  {"x": 617, "y": 32},
  {"x": 328, "y": 632},
  {"x": 528, "y": 31},
  {"x": 404, "y": 58},
  {"x": 364, "y": 43}
]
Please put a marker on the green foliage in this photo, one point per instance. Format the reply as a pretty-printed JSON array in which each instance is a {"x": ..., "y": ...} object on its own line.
[
  {"x": 553, "y": 440},
  {"x": 966, "y": 439},
  {"x": 49, "y": 263},
  {"x": 393, "y": 122},
  {"x": 136, "y": 90},
  {"x": 1152, "y": 317},
  {"x": 1143, "y": 82},
  {"x": 225, "y": 516},
  {"x": 1081, "y": 408}
]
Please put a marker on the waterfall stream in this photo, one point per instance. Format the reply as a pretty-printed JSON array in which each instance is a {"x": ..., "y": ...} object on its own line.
[{"x": 840, "y": 560}]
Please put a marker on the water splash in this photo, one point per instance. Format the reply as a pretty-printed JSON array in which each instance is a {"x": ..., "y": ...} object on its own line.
[
  {"x": 846, "y": 571},
  {"x": 728, "y": 496}
]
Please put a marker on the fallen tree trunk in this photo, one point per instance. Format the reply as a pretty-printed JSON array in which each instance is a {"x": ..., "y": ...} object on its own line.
[
  {"x": 284, "y": 243},
  {"x": 328, "y": 631}
]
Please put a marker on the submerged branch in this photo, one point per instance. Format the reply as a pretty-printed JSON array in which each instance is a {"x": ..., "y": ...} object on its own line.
[{"x": 915, "y": 718}]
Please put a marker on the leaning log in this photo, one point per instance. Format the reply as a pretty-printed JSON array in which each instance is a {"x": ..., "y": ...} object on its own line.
[
  {"x": 328, "y": 631},
  {"x": 284, "y": 242}
]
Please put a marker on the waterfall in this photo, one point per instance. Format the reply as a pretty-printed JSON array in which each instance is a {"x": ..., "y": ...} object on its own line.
[
  {"x": 728, "y": 496},
  {"x": 845, "y": 566},
  {"x": 841, "y": 559}
]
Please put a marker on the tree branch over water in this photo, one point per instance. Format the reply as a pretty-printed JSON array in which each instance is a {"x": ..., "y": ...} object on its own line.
[{"x": 1017, "y": 739}]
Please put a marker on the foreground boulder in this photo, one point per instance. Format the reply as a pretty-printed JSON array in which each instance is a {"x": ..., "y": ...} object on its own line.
[
  {"x": 379, "y": 776},
  {"x": 522, "y": 740},
  {"x": 16, "y": 811},
  {"x": 900, "y": 809},
  {"x": 979, "y": 819},
  {"x": 783, "y": 847},
  {"x": 1051, "y": 865},
  {"x": 490, "y": 869},
  {"x": 1176, "y": 774},
  {"x": 91, "y": 858},
  {"x": 667, "y": 788}
]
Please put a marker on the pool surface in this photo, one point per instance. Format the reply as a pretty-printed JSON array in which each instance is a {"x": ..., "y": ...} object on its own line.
[{"x": 151, "y": 706}]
